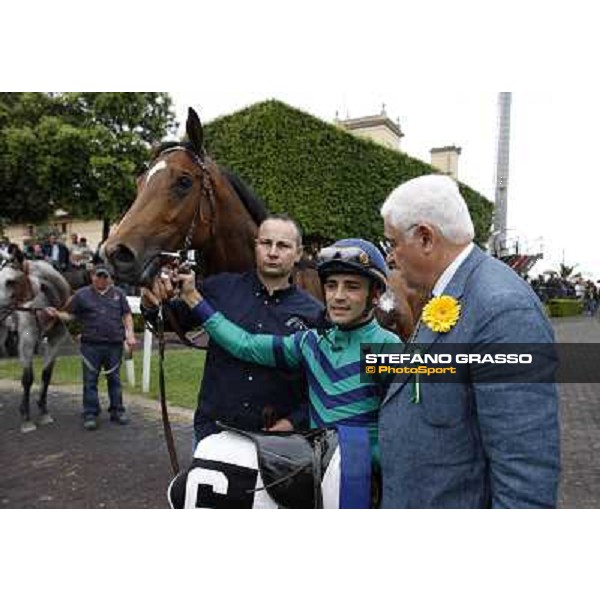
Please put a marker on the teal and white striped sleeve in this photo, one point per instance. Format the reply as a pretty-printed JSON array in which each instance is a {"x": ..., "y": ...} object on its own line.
[{"x": 268, "y": 350}]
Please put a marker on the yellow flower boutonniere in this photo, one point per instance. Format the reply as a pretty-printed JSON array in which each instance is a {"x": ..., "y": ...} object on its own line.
[{"x": 442, "y": 314}]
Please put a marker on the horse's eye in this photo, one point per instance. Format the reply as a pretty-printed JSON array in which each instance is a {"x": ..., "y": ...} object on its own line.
[{"x": 184, "y": 182}]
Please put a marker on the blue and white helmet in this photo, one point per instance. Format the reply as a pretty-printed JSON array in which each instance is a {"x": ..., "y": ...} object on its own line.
[{"x": 355, "y": 256}]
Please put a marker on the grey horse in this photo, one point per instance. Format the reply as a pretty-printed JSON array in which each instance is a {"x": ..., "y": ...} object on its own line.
[{"x": 26, "y": 289}]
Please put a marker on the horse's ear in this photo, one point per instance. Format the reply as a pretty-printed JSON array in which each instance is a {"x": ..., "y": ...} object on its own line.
[{"x": 195, "y": 132}]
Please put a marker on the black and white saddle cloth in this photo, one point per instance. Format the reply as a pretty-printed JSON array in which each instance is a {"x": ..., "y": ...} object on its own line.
[{"x": 237, "y": 469}]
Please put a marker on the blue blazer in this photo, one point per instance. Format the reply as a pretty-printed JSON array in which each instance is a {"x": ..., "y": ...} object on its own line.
[{"x": 475, "y": 445}]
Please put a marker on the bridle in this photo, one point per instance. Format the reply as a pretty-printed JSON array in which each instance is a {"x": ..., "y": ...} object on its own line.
[
  {"x": 208, "y": 193},
  {"x": 26, "y": 291},
  {"x": 150, "y": 267}
]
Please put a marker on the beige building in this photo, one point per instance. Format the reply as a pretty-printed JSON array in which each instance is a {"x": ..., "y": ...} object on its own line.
[
  {"x": 446, "y": 160},
  {"x": 63, "y": 225},
  {"x": 378, "y": 128},
  {"x": 382, "y": 130}
]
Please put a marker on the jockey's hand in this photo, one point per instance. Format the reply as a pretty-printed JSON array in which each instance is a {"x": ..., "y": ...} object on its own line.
[
  {"x": 282, "y": 426},
  {"x": 188, "y": 292}
]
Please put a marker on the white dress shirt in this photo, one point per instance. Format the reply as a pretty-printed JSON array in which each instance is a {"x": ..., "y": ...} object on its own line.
[{"x": 448, "y": 274}]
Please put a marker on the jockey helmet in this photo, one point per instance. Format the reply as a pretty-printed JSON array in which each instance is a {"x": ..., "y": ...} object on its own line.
[{"x": 354, "y": 256}]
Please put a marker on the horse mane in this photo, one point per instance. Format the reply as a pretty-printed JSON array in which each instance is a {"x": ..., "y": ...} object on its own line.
[
  {"x": 52, "y": 283},
  {"x": 252, "y": 203}
]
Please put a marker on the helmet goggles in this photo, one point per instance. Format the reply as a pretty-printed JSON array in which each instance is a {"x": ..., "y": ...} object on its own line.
[
  {"x": 347, "y": 255},
  {"x": 353, "y": 259}
]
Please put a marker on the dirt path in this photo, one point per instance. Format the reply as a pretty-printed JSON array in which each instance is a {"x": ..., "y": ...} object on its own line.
[{"x": 63, "y": 466}]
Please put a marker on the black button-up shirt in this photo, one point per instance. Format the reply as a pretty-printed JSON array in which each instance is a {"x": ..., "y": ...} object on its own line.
[{"x": 242, "y": 394}]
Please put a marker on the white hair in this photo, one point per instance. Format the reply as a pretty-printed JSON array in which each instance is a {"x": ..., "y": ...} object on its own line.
[{"x": 433, "y": 200}]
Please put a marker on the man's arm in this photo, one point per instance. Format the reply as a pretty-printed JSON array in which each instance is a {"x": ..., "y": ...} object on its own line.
[
  {"x": 54, "y": 313},
  {"x": 67, "y": 314},
  {"x": 179, "y": 310},
  {"x": 267, "y": 350},
  {"x": 519, "y": 421},
  {"x": 298, "y": 418},
  {"x": 129, "y": 331},
  {"x": 162, "y": 292}
]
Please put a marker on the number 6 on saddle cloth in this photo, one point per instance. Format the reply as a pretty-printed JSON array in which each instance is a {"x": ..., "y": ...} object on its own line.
[{"x": 238, "y": 469}]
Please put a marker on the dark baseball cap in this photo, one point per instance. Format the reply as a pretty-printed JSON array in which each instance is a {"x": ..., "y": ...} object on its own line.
[{"x": 102, "y": 270}]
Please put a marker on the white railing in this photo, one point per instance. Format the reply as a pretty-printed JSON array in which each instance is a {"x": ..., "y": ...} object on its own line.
[{"x": 135, "y": 305}]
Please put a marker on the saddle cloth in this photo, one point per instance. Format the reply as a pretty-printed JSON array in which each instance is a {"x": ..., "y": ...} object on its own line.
[{"x": 236, "y": 469}]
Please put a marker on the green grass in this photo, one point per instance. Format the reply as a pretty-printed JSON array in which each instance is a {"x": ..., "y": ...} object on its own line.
[{"x": 183, "y": 374}]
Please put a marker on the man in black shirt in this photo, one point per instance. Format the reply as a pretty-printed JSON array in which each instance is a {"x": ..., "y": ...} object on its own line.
[{"x": 235, "y": 392}]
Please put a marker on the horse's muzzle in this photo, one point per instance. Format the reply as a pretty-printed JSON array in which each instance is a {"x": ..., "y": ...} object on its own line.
[{"x": 127, "y": 268}]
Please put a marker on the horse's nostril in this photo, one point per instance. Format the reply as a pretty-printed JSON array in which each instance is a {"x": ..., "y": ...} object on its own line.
[{"x": 122, "y": 255}]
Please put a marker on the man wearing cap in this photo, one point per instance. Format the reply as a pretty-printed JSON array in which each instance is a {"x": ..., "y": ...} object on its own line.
[{"x": 106, "y": 321}]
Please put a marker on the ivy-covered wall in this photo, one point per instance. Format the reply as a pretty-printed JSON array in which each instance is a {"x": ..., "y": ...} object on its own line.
[{"x": 332, "y": 182}]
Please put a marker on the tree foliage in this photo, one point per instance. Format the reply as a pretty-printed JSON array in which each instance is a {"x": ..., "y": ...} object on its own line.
[
  {"x": 79, "y": 151},
  {"x": 331, "y": 181},
  {"x": 567, "y": 272}
]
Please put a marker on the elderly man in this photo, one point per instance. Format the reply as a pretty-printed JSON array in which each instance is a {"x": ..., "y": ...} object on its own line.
[{"x": 472, "y": 444}]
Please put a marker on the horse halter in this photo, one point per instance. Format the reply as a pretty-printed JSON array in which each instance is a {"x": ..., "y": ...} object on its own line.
[
  {"x": 208, "y": 192},
  {"x": 25, "y": 292}
]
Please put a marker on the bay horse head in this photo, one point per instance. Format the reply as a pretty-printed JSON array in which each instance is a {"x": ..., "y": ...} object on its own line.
[{"x": 185, "y": 201}]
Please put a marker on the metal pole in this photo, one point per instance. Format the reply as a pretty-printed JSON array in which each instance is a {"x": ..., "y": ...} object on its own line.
[
  {"x": 147, "y": 361},
  {"x": 502, "y": 170}
]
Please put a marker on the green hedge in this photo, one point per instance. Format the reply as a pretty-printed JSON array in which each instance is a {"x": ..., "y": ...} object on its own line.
[
  {"x": 331, "y": 181},
  {"x": 565, "y": 308}
]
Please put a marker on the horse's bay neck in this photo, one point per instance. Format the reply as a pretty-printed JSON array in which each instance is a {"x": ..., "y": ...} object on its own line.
[
  {"x": 233, "y": 249},
  {"x": 236, "y": 256}
]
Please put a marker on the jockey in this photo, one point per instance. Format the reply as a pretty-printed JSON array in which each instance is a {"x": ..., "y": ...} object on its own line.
[{"x": 354, "y": 276}]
